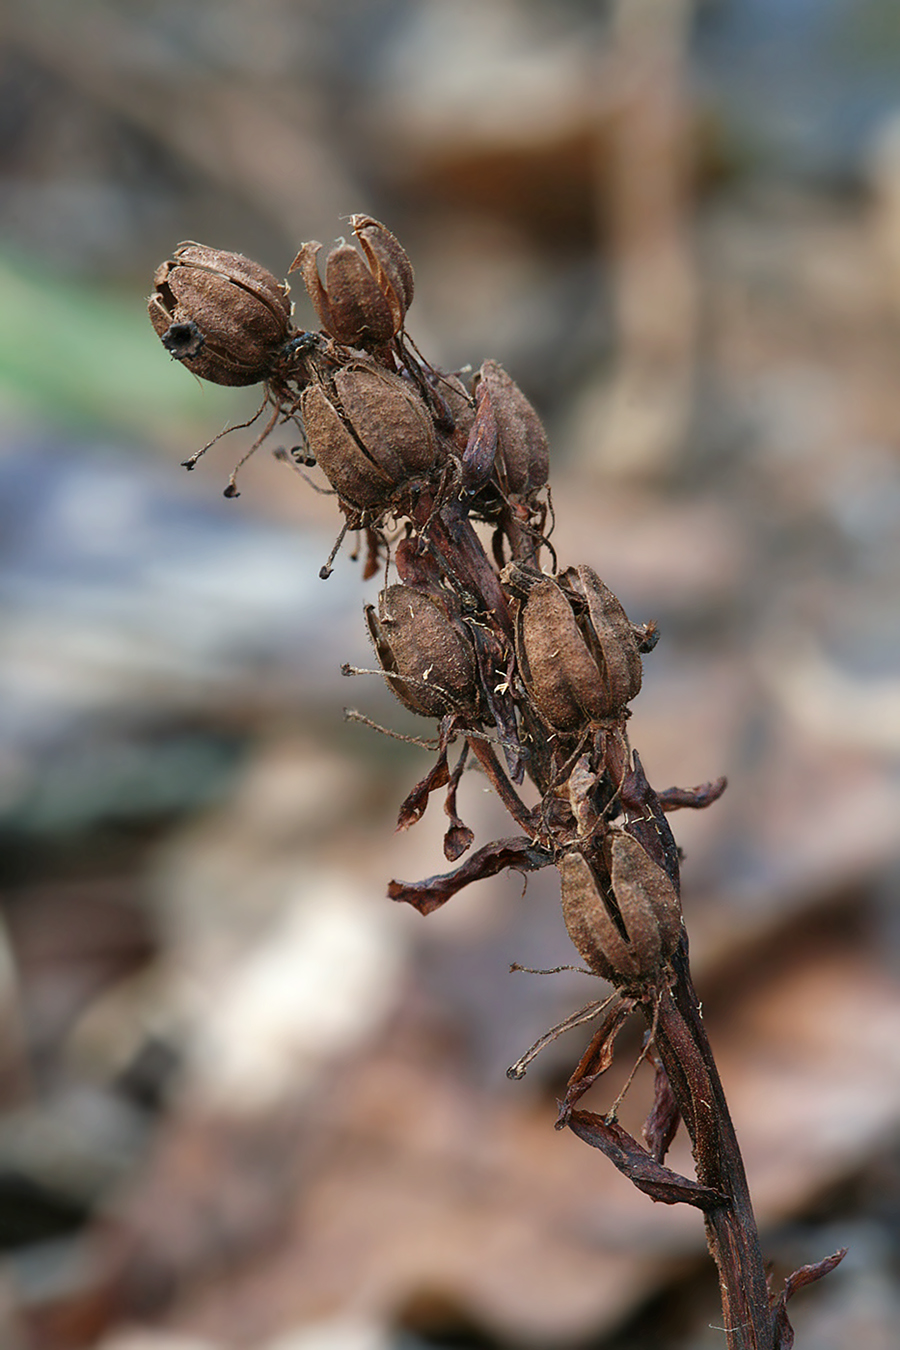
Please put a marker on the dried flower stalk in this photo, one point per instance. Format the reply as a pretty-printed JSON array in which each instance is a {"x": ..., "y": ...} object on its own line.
[{"x": 510, "y": 654}]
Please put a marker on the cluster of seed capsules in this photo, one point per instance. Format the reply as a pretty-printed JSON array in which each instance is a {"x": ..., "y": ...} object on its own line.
[{"x": 481, "y": 631}]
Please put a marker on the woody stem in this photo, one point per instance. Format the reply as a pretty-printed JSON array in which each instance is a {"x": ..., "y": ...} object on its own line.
[
  {"x": 501, "y": 784},
  {"x": 731, "y": 1230}
]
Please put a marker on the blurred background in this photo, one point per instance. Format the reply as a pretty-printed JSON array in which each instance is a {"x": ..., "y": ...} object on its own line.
[{"x": 244, "y": 1100}]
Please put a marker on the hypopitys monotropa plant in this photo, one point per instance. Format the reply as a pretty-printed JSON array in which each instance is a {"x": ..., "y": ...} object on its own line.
[{"x": 508, "y": 652}]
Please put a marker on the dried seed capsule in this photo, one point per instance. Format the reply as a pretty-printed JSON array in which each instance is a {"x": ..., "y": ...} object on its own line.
[
  {"x": 222, "y": 315},
  {"x": 576, "y": 649},
  {"x": 389, "y": 263},
  {"x": 614, "y": 633},
  {"x": 425, "y": 653},
  {"x": 370, "y": 432},
  {"x": 523, "y": 456},
  {"x": 647, "y": 904},
  {"x": 556, "y": 666},
  {"x": 357, "y": 305}
]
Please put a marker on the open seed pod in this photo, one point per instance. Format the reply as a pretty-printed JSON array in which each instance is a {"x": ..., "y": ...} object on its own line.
[
  {"x": 425, "y": 653},
  {"x": 360, "y": 303}
]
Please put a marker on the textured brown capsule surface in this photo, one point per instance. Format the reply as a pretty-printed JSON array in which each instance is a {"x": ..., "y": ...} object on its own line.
[
  {"x": 577, "y": 651},
  {"x": 389, "y": 262},
  {"x": 554, "y": 662},
  {"x": 222, "y": 315},
  {"x": 638, "y": 883},
  {"x": 389, "y": 418},
  {"x": 425, "y": 654},
  {"x": 523, "y": 455},
  {"x": 350, "y": 471},
  {"x": 612, "y": 631},
  {"x": 369, "y": 435},
  {"x": 647, "y": 902},
  {"x": 359, "y": 305}
]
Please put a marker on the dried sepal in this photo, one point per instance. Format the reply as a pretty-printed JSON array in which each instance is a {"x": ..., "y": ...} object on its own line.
[
  {"x": 597, "y": 1058},
  {"x": 645, "y": 820},
  {"x": 662, "y": 1122},
  {"x": 799, "y": 1279},
  {"x": 517, "y": 854},
  {"x": 225, "y": 317},
  {"x": 424, "y": 652},
  {"x": 481, "y": 446},
  {"x": 415, "y": 802},
  {"x": 458, "y": 837},
  {"x": 460, "y": 408}
]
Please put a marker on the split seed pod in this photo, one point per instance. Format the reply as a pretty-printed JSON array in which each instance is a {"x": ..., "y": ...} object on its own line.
[
  {"x": 577, "y": 651},
  {"x": 523, "y": 455},
  {"x": 607, "y": 622},
  {"x": 222, "y": 315},
  {"x": 647, "y": 902},
  {"x": 370, "y": 433},
  {"x": 425, "y": 654},
  {"x": 359, "y": 305}
]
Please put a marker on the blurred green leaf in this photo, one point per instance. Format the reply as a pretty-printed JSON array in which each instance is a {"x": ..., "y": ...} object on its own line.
[{"x": 89, "y": 357}]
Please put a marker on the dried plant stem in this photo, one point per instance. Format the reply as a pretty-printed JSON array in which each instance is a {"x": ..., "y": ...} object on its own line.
[
  {"x": 543, "y": 664},
  {"x": 731, "y": 1230}
]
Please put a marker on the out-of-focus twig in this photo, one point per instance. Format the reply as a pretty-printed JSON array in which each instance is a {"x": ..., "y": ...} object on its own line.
[{"x": 647, "y": 191}]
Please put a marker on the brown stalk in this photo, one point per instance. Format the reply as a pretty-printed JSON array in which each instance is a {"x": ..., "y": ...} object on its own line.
[{"x": 543, "y": 664}]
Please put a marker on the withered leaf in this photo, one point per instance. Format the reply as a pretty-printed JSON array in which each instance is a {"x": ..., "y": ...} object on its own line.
[
  {"x": 697, "y": 798},
  {"x": 596, "y": 1059},
  {"x": 517, "y": 853},
  {"x": 458, "y": 837},
  {"x": 662, "y": 1122},
  {"x": 634, "y": 1162},
  {"x": 414, "y": 804},
  {"x": 784, "y": 1332}
]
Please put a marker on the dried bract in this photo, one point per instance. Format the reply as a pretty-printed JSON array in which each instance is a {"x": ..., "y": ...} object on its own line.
[
  {"x": 424, "y": 652},
  {"x": 222, "y": 315}
]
